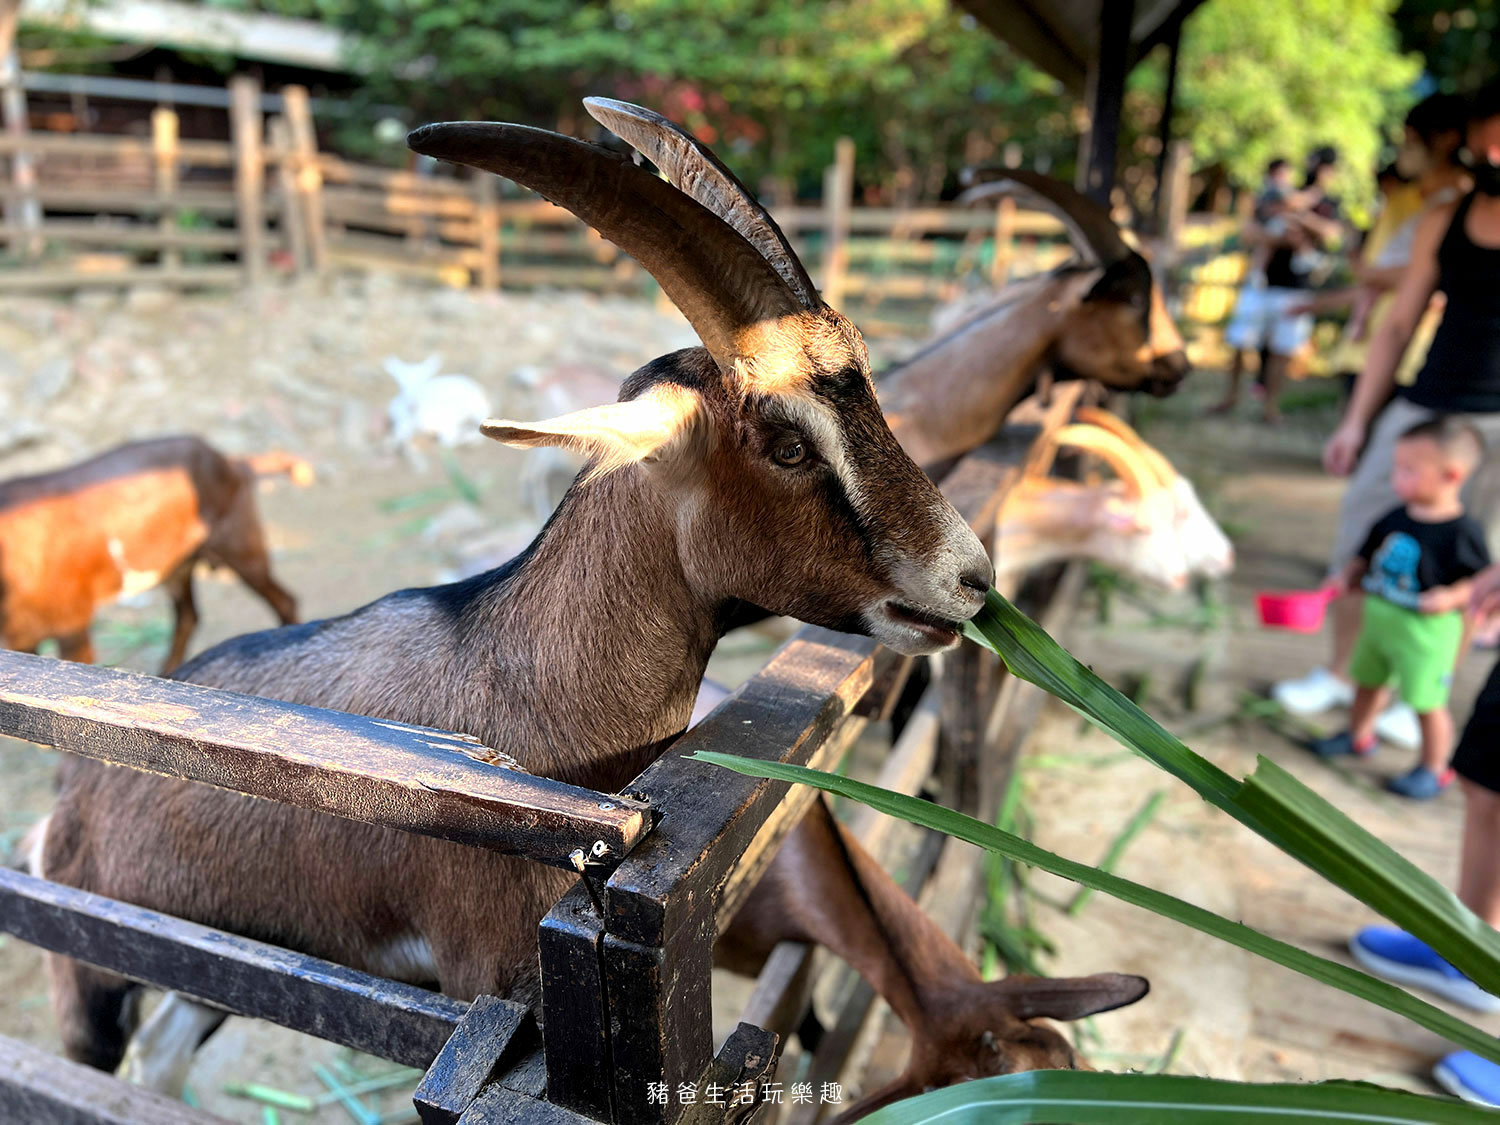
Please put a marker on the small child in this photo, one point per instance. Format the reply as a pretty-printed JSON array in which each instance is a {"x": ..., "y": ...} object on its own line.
[{"x": 1414, "y": 569}]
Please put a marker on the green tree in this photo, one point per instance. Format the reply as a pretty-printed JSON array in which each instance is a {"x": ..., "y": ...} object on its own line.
[
  {"x": 1266, "y": 78},
  {"x": 1460, "y": 40}
]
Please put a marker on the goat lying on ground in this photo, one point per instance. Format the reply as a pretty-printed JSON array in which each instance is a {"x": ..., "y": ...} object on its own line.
[
  {"x": 754, "y": 468},
  {"x": 124, "y": 522},
  {"x": 1148, "y": 522},
  {"x": 1102, "y": 318}
]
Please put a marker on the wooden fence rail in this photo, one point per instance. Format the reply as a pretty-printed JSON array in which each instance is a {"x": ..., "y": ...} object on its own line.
[{"x": 97, "y": 210}]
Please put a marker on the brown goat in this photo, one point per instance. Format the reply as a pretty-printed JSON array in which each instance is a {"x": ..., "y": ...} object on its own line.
[
  {"x": 755, "y": 469},
  {"x": 1102, "y": 318},
  {"x": 124, "y": 522}
]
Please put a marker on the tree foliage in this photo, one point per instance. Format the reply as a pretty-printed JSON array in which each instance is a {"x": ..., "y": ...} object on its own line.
[
  {"x": 920, "y": 87},
  {"x": 1265, "y": 78},
  {"x": 1460, "y": 40}
]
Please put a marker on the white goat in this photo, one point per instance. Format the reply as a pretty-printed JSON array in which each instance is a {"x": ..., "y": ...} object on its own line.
[
  {"x": 1148, "y": 523},
  {"x": 447, "y": 407}
]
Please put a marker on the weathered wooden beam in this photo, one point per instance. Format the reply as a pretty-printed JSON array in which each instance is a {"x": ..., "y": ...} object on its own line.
[
  {"x": 396, "y": 1021},
  {"x": 708, "y": 816},
  {"x": 37, "y": 1088},
  {"x": 492, "y": 1033},
  {"x": 575, "y": 1007},
  {"x": 500, "y": 1105},
  {"x": 431, "y": 782},
  {"x": 661, "y": 904}
]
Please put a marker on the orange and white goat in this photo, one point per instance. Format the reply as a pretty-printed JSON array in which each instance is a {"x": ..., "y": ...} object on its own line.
[{"x": 124, "y": 522}]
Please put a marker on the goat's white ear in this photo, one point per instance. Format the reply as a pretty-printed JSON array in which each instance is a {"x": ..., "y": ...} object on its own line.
[{"x": 651, "y": 427}]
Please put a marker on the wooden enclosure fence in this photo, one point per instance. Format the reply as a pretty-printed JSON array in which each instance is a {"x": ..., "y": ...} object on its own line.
[
  {"x": 625, "y": 955},
  {"x": 84, "y": 210}
]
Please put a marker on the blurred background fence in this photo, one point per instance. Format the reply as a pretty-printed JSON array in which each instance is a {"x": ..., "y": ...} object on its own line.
[{"x": 88, "y": 209}]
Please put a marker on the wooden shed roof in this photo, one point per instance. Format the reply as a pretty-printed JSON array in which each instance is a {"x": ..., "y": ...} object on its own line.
[{"x": 1062, "y": 36}]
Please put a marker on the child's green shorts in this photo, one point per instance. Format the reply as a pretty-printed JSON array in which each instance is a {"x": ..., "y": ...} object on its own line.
[{"x": 1417, "y": 650}]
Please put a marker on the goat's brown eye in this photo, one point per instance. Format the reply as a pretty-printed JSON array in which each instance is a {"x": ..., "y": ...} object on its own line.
[{"x": 790, "y": 453}]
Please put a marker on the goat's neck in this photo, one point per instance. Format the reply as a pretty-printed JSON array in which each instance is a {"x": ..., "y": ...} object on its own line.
[{"x": 601, "y": 633}]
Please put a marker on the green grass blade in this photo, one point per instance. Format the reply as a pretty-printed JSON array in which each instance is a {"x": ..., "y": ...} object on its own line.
[
  {"x": 1079, "y": 1097},
  {"x": 1272, "y": 804},
  {"x": 1133, "y": 828},
  {"x": 929, "y": 815}
]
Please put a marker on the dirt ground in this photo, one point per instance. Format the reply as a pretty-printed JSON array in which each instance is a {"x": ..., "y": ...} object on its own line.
[{"x": 299, "y": 369}]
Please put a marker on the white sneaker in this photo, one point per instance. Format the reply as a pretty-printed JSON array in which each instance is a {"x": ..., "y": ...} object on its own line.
[
  {"x": 1320, "y": 690},
  {"x": 1398, "y": 725}
]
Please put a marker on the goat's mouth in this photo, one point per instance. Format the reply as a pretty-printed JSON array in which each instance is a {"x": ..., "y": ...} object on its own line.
[{"x": 941, "y": 631}]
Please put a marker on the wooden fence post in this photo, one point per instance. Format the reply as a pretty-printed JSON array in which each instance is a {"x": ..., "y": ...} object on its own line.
[
  {"x": 293, "y": 226},
  {"x": 247, "y": 128},
  {"x": 487, "y": 213},
  {"x": 1005, "y": 234},
  {"x": 838, "y": 198},
  {"x": 308, "y": 173},
  {"x": 1177, "y": 183},
  {"x": 22, "y": 210},
  {"x": 164, "y": 150}
]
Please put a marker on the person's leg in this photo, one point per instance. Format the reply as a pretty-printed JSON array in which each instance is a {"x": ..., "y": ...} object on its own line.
[
  {"x": 1231, "y": 397},
  {"x": 1479, "y": 864},
  {"x": 1346, "y": 613},
  {"x": 1245, "y": 332},
  {"x": 1437, "y": 738},
  {"x": 1463, "y": 1073},
  {"x": 1274, "y": 378},
  {"x": 1368, "y": 702}
]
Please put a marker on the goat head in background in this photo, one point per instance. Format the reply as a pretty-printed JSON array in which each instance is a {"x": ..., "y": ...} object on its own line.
[
  {"x": 1102, "y": 318},
  {"x": 125, "y": 522},
  {"x": 1147, "y": 522}
]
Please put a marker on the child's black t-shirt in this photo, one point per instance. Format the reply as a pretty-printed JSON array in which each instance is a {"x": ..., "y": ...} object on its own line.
[{"x": 1407, "y": 556}]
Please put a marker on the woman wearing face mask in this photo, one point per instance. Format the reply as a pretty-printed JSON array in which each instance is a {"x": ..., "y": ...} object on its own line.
[
  {"x": 1431, "y": 176},
  {"x": 1456, "y": 251}
]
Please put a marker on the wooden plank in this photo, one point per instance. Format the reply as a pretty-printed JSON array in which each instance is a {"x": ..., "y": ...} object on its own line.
[
  {"x": 487, "y": 202},
  {"x": 340, "y": 171},
  {"x": 575, "y": 1022},
  {"x": 784, "y": 986},
  {"x": 431, "y": 782},
  {"x": 205, "y": 153},
  {"x": 920, "y": 220},
  {"x": 374, "y": 246},
  {"x": 36, "y": 280},
  {"x": 747, "y": 1059},
  {"x": 88, "y": 233},
  {"x": 757, "y": 855},
  {"x": 342, "y": 202},
  {"x": 492, "y": 1033},
  {"x": 838, "y": 200},
  {"x": 708, "y": 815},
  {"x": 293, "y": 222},
  {"x": 308, "y": 177},
  {"x": 396, "y": 1021},
  {"x": 880, "y": 701},
  {"x": 500, "y": 1105},
  {"x": 246, "y": 126},
  {"x": 164, "y": 151},
  {"x": 41, "y": 1089},
  {"x": 132, "y": 202}
]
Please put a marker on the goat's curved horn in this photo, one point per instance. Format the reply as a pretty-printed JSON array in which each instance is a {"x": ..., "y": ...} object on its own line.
[
  {"x": 1120, "y": 455},
  {"x": 720, "y": 281},
  {"x": 692, "y": 167},
  {"x": 1152, "y": 457},
  {"x": 1089, "y": 223}
]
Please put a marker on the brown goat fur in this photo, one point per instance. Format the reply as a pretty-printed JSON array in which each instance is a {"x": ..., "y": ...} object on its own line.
[{"x": 123, "y": 522}]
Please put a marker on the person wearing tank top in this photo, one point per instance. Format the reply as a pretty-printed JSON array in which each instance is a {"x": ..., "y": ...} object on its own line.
[{"x": 1455, "y": 251}]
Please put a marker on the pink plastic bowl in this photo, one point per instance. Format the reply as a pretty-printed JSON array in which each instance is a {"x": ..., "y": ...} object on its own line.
[{"x": 1301, "y": 611}]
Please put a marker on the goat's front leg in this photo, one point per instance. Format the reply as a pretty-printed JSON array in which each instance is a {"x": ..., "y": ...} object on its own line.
[{"x": 824, "y": 888}]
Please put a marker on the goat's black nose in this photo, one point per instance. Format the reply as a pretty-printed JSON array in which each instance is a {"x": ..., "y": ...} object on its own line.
[{"x": 978, "y": 578}]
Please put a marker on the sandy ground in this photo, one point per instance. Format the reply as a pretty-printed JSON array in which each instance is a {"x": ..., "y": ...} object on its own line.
[{"x": 300, "y": 369}]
